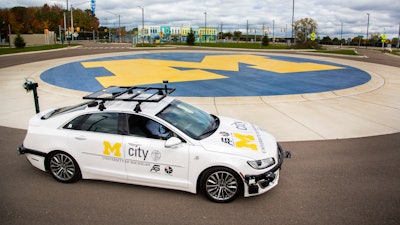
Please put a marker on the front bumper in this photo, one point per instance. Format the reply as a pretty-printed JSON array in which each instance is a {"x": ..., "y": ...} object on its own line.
[{"x": 257, "y": 184}]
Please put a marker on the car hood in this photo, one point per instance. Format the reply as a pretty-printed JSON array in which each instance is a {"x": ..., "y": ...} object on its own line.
[{"x": 241, "y": 138}]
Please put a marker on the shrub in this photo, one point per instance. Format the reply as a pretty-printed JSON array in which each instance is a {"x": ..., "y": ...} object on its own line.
[
  {"x": 265, "y": 41},
  {"x": 307, "y": 45},
  {"x": 19, "y": 42},
  {"x": 190, "y": 38}
]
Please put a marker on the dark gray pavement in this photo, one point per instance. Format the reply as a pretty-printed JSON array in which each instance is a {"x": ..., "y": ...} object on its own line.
[{"x": 351, "y": 181}]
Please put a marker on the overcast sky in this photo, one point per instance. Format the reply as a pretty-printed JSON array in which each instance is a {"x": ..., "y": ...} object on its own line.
[{"x": 384, "y": 15}]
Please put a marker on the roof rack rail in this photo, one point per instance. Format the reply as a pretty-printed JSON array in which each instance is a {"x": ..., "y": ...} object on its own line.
[{"x": 131, "y": 93}]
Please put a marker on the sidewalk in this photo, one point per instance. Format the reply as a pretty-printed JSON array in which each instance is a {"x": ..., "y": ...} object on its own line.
[{"x": 366, "y": 110}]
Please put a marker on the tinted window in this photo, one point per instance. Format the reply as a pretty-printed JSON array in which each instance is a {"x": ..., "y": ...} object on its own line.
[
  {"x": 137, "y": 125},
  {"x": 101, "y": 122},
  {"x": 76, "y": 123},
  {"x": 145, "y": 127},
  {"x": 97, "y": 122}
]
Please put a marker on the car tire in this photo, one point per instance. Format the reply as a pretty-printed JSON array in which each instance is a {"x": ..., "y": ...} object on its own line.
[
  {"x": 221, "y": 185},
  {"x": 63, "y": 167}
]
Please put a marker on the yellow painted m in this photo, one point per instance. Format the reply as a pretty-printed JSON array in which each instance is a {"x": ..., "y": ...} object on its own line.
[
  {"x": 244, "y": 141},
  {"x": 115, "y": 149}
]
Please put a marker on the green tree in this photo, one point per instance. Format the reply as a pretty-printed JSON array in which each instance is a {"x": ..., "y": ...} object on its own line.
[
  {"x": 326, "y": 40},
  {"x": 394, "y": 41},
  {"x": 237, "y": 35},
  {"x": 228, "y": 35},
  {"x": 190, "y": 38},
  {"x": 265, "y": 40},
  {"x": 19, "y": 42},
  {"x": 33, "y": 20}
]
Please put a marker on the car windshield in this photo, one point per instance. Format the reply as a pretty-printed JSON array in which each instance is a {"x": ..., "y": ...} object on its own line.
[{"x": 192, "y": 121}]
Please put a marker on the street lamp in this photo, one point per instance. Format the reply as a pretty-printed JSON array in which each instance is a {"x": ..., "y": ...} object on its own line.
[
  {"x": 366, "y": 42},
  {"x": 341, "y": 33},
  {"x": 142, "y": 24},
  {"x": 293, "y": 24},
  {"x": 205, "y": 27},
  {"x": 119, "y": 24}
]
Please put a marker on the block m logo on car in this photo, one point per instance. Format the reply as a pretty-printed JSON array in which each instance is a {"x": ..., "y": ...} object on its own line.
[
  {"x": 245, "y": 141},
  {"x": 109, "y": 149}
]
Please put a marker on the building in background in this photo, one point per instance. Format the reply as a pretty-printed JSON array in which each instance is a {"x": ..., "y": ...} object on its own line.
[{"x": 175, "y": 34}]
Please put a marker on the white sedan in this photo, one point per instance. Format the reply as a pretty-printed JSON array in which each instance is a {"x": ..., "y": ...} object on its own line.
[{"x": 143, "y": 136}]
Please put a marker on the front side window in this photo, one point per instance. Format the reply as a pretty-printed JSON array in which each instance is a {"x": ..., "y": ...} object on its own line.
[{"x": 145, "y": 127}]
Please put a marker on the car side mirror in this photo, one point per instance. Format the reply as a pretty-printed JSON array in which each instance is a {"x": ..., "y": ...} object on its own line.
[{"x": 172, "y": 142}]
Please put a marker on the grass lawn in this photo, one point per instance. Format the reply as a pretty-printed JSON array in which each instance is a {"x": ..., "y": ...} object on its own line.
[
  {"x": 341, "y": 52},
  {"x": 7, "y": 50},
  {"x": 241, "y": 45}
]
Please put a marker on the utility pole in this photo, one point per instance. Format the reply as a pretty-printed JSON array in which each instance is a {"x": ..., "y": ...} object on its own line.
[
  {"x": 366, "y": 42},
  {"x": 341, "y": 34},
  {"x": 273, "y": 32},
  {"x": 293, "y": 39},
  {"x": 205, "y": 25},
  {"x": 247, "y": 30},
  {"x": 143, "y": 25},
  {"x": 222, "y": 31},
  {"x": 398, "y": 38},
  {"x": 66, "y": 22},
  {"x": 72, "y": 25},
  {"x": 9, "y": 35}
]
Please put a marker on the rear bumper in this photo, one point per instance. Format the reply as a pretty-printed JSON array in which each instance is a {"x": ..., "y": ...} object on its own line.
[
  {"x": 22, "y": 150},
  {"x": 36, "y": 158},
  {"x": 258, "y": 184}
]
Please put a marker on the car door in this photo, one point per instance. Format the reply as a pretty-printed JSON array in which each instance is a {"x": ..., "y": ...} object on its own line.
[
  {"x": 149, "y": 161},
  {"x": 98, "y": 140}
]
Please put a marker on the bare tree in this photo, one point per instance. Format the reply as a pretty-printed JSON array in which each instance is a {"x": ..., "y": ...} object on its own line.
[{"x": 304, "y": 27}]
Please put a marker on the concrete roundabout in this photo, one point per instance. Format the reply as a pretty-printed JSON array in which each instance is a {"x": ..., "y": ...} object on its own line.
[{"x": 295, "y": 98}]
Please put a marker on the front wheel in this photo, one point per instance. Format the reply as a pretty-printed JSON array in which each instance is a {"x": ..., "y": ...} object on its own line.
[
  {"x": 64, "y": 168},
  {"x": 221, "y": 185}
]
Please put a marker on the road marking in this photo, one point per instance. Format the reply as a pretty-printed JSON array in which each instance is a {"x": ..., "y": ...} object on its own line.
[{"x": 152, "y": 71}]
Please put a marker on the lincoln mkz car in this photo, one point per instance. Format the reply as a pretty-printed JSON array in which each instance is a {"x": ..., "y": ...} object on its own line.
[{"x": 143, "y": 136}]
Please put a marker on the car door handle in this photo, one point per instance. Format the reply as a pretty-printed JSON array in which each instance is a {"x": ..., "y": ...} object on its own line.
[
  {"x": 134, "y": 144},
  {"x": 80, "y": 138}
]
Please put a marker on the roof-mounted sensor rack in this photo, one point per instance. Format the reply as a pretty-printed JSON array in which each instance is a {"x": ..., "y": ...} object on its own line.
[{"x": 131, "y": 93}]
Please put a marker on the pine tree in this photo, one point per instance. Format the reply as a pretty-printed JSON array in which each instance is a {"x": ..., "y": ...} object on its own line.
[
  {"x": 265, "y": 41},
  {"x": 190, "y": 38},
  {"x": 19, "y": 42}
]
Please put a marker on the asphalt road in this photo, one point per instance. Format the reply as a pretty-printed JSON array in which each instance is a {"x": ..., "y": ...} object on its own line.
[{"x": 353, "y": 181}]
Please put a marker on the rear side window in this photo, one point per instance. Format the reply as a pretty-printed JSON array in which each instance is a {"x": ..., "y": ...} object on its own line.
[
  {"x": 97, "y": 122},
  {"x": 76, "y": 123}
]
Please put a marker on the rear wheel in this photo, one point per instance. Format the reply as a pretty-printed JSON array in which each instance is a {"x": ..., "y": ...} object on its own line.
[
  {"x": 221, "y": 185},
  {"x": 64, "y": 168}
]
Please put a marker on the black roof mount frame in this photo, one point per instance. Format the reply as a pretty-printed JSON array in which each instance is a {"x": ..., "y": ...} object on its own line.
[{"x": 130, "y": 93}]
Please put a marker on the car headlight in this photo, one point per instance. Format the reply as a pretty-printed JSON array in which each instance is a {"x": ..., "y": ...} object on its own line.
[{"x": 261, "y": 164}]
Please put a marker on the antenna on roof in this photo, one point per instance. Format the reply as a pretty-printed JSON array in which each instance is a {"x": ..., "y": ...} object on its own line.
[
  {"x": 165, "y": 82},
  {"x": 101, "y": 106},
  {"x": 137, "y": 108}
]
